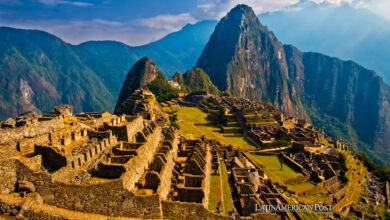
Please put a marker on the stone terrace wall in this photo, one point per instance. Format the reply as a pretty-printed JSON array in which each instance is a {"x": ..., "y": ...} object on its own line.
[
  {"x": 13, "y": 141},
  {"x": 33, "y": 130},
  {"x": 138, "y": 164},
  {"x": 8, "y": 176},
  {"x": 109, "y": 198},
  {"x": 293, "y": 164},
  {"x": 184, "y": 210},
  {"x": 127, "y": 131},
  {"x": 166, "y": 174},
  {"x": 206, "y": 187},
  {"x": 330, "y": 185}
]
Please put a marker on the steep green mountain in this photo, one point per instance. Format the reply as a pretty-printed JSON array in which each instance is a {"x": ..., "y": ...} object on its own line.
[
  {"x": 244, "y": 58},
  {"x": 346, "y": 32},
  {"x": 39, "y": 70},
  {"x": 343, "y": 98},
  {"x": 145, "y": 74},
  {"x": 177, "y": 51},
  {"x": 140, "y": 75},
  {"x": 195, "y": 79}
]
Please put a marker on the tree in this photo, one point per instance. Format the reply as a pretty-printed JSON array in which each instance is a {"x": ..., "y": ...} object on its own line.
[
  {"x": 280, "y": 161},
  {"x": 219, "y": 118},
  {"x": 281, "y": 143}
]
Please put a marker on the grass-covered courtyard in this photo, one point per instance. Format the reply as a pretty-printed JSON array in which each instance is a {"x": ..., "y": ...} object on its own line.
[
  {"x": 192, "y": 122},
  {"x": 271, "y": 166}
]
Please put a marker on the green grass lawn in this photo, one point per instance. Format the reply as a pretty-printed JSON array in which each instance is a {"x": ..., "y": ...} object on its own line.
[
  {"x": 271, "y": 166},
  {"x": 227, "y": 196},
  {"x": 215, "y": 195},
  {"x": 316, "y": 198},
  {"x": 193, "y": 122},
  {"x": 301, "y": 187}
]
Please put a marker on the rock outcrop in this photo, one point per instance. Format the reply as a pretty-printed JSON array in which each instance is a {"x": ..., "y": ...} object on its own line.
[
  {"x": 65, "y": 110},
  {"x": 195, "y": 79}
]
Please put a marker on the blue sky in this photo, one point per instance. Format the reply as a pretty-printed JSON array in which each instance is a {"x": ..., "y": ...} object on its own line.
[{"x": 137, "y": 22}]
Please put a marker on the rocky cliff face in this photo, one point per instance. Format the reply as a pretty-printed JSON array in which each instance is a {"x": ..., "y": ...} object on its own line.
[
  {"x": 142, "y": 73},
  {"x": 343, "y": 98},
  {"x": 244, "y": 58}
]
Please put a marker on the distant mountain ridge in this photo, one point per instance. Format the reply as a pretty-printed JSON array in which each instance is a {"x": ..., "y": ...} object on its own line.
[
  {"x": 346, "y": 32},
  {"x": 39, "y": 70}
]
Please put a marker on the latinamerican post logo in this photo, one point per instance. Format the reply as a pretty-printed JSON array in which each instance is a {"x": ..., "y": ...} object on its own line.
[{"x": 317, "y": 208}]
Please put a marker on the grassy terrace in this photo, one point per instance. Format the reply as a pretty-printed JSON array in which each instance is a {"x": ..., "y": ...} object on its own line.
[
  {"x": 215, "y": 196},
  {"x": 220, "y": 195},
  {"x": 192, "y": 122},
  {"x": 301, "y": 187},
  {"x": 227, "y": 196}
]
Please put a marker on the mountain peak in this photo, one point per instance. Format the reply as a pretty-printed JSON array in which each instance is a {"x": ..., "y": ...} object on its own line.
[
  {"x": 145, "y": 60},
  {"x": 242, "y": 15},
  {"x": 143, "y": 72},
  {"x": 244, "y": 58},
  {"x": 242, "y": 9}
]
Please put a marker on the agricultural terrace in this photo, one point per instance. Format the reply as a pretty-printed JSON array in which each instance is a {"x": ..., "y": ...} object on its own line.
[
  {"x": 193, "y": 122},
  {"x": 220, "y": 201}
]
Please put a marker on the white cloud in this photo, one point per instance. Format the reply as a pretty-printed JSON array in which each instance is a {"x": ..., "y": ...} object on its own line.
[
  {"x": 166, "y": 22},
  {"x": 380, "y": 7},
  {"x": 219, "y": 8},
  {"x": 95, "y": 29},
  {"x": 65, "y": 2},
  {"x": 108, "y": 23}
]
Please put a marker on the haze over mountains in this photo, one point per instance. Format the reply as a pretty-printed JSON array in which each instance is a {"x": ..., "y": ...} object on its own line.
[{"x": 345, "y": 32}]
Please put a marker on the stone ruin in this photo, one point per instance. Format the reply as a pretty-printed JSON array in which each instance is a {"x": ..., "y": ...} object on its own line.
[
  {"x": 134, "y": 165},
  {"x": 99, "y": 165}
]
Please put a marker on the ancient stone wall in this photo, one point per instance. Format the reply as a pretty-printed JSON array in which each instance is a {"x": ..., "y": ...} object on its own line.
[
  {"x": 328, "y": 186},
  {"x": 30, "y": 131},
  {"x": 108, "y": 198},
  {"x": 91, "y": 156},
  {"x": 126, "y": 131},
  {"x": 184, "y": 210},
  {"x": 297, "y": 180},
  {"x": 8, "y": 176},
  {"x": 139, "y": 163},
  {"x": 293, "y": 164},
  {"x": 206, "y": 187},
  {"x": 166, "y": 173},
  {"x": 13, "y": 141}
]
